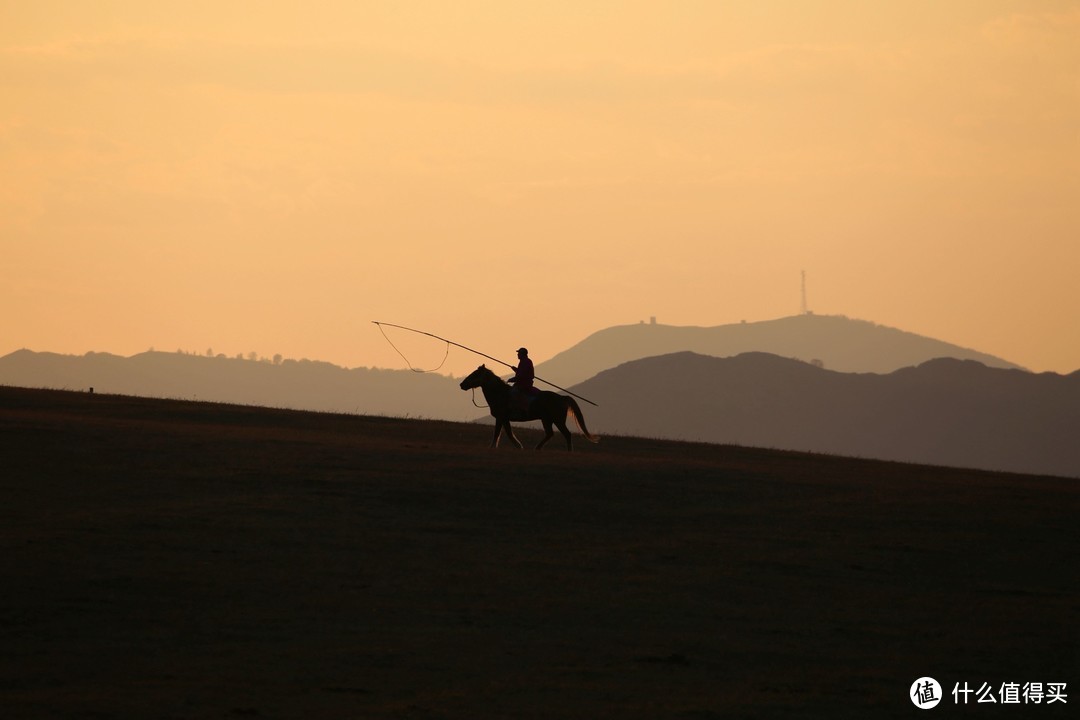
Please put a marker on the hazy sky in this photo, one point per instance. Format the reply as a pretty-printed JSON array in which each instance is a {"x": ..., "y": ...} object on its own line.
[{"x": 270, "y": 177}]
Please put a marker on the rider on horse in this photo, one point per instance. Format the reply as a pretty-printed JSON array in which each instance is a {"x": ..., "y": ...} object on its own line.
[{"x": 523, "y": 380}]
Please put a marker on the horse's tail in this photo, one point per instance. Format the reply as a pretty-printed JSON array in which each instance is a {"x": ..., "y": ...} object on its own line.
[{"x": 579, "y": 418}]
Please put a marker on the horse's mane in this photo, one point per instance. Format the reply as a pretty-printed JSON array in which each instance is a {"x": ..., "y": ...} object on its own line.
[{"x": 491, "y": 373}]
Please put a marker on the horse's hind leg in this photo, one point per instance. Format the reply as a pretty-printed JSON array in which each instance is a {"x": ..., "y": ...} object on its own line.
[
  {"x": 561, "y": 424},
  {"x": 548, "y": 434}
]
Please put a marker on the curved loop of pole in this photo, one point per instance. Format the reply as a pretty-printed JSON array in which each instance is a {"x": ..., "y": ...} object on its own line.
[
  {"x": 415, "y": 370},
  {"x": 477, "y": 352}
]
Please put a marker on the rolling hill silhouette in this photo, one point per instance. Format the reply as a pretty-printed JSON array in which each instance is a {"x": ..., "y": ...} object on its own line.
[
  {"x": 297, "y": 384},
  {"x": 837, "y": 342},
  {"x": 942, "y": 412}
]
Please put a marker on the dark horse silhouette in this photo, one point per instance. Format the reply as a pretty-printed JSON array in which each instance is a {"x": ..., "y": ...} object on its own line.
[{"x": 547, "y": 407}]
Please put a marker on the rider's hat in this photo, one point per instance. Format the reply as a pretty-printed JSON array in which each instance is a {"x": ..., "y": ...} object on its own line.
[{"x": 523, "y": 350}]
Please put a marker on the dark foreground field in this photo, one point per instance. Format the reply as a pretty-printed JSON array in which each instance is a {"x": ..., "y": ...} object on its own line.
[{"x": 172, "y": 559}]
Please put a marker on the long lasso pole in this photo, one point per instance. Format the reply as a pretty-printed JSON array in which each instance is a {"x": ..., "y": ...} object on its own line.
[{"x": 477, "y": 352}]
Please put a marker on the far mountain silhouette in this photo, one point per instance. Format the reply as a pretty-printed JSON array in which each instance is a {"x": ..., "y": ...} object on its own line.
[
  {"x": 943, "y": 412},
  {"x": 952, "y": 412},
  {"x": 838, "y": 343},
  {"x": 297, "y": 384}
]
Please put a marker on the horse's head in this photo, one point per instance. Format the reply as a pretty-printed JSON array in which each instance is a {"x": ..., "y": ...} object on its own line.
[{"x": 476, "y": 378}]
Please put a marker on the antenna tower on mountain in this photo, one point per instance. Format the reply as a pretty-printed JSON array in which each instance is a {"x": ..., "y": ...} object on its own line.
[{"x": 805, "y": 310}]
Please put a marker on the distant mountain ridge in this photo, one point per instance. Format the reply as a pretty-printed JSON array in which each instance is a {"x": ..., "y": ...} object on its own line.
[
  {"x": 839, "y": 343},
  {"x": 302, "y": 385},
  {"x": 942, "y": 412}
]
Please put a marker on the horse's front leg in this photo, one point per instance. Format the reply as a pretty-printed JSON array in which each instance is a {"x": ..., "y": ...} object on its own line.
[
  {"x": 501, "y": 423},
  {"x": 510, "y": 434}
]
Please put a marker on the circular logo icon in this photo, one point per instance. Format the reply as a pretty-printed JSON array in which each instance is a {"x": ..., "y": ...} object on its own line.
[{"x": 925, "y": 693}]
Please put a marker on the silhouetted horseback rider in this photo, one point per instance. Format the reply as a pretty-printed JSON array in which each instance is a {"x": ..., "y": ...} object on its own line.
[
  {"x": 522, "y": 381},
  {"x": 523, "y": 373}
]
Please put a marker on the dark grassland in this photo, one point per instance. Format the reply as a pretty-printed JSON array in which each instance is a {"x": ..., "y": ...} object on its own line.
[{"x": 166, "y": 559}]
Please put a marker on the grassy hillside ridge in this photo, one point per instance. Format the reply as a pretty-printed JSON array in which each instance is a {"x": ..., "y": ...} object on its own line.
[
  {"x": 182, "y": 559},
  {"x": 944, "y": 411},
  {"x": 840, "y": 343}
]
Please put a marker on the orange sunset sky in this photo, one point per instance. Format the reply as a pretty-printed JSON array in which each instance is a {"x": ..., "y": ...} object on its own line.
[{"x": 270, "y": 177}]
